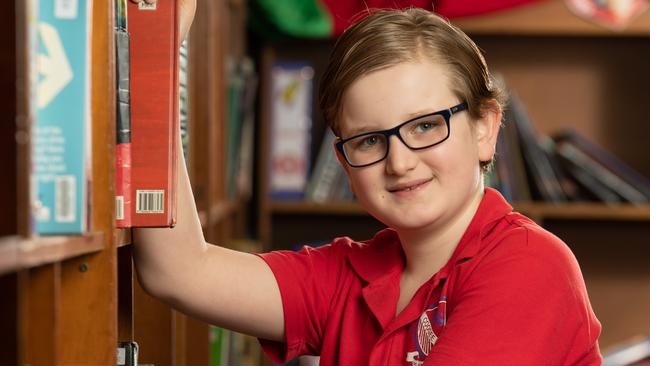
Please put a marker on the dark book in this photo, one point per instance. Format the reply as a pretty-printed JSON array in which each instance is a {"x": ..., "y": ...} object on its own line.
[
  {"x": 600, "y": 173},
  {"x": 154, "y": 40},
  {"x": 541, "y": 177},
  {"x": 593, "y": 189},
  {"x": 123, "y": 196},
  {"x": 606, "y": 159}
]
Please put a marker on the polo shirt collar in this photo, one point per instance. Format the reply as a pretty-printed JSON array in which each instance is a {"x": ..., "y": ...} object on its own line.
[
  {"x": 385, "y": 254},
  {"x": 380, "y": 261}
]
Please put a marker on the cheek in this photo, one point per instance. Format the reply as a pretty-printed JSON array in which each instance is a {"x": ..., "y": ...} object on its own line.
[{"x": 363, "y": 182}]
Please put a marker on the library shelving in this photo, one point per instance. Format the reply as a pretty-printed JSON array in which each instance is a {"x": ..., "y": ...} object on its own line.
[
  {"x": 570, "y": 73},
  {"x": 70, "y": 299}
]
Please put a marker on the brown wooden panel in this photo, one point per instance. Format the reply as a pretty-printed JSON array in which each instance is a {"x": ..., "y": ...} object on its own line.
[
  {"x": 153, "y": 329},
  {"x": 217, "y": 148},
  {"x": 89, "y": 283},
  {"x": 39, "y": 315},
  {"x": 23, "y": 119},
  {"x": 8, "y": 223},
  {"x": 198, "y": 342},
  {"x": 200, "y": 64},
  {"x": 8, "y": 319},
  {"x": 124, "y": 294},
  {"x": 182, "y": 347}
]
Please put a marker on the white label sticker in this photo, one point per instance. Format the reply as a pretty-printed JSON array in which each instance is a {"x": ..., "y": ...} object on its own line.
[
  {"x": 66, "y": 9},
  {"x": 121, "y": 356},
  {"x": 144, "y": 6}
]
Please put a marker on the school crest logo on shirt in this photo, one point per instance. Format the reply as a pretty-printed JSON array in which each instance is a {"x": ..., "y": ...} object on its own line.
[{"x": 426, "y": 331}]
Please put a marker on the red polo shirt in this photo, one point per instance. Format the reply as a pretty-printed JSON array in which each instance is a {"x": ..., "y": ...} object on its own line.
[{"x": 511, "y": 294}]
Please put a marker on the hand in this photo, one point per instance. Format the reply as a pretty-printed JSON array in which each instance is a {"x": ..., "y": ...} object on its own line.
[{"x": 187, "y": 7}]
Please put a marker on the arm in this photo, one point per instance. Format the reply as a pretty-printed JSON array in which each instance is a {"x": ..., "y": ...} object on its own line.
[{"x": 224, "y": 287}]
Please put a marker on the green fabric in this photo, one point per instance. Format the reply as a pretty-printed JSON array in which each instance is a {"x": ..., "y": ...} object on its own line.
[{"x": 296, "y": 18}]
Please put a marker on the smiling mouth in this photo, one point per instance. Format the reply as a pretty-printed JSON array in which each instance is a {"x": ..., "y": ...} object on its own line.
[{"x": 409, "y": 187}]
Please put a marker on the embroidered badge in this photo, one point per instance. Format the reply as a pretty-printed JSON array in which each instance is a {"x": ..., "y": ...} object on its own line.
[{"x": 432, "y": 320}]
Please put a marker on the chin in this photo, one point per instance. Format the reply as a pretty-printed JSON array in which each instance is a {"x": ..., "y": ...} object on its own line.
[{"x": 407, "y": 221}]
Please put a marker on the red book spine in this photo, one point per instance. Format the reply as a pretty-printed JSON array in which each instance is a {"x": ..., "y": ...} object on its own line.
[{"x": 154, "y": 37}]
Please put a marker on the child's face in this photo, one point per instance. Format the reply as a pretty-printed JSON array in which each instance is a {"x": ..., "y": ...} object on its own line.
[{"x": 412, "y": 189}]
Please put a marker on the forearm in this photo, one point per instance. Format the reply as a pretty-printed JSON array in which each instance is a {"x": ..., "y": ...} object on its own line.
[{"x": 162, "y": 254}]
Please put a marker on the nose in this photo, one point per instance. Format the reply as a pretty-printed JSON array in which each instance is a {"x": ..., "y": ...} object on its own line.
[{"x": 400, "y": 159}]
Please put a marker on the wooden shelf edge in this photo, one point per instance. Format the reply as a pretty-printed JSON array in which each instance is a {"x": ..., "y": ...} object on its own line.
[
  {"x": 316, "y": 208},
  {"x": 18, "y": 253},
  {"x": 124, "y": 237},
  {"x": 547, "y": 18},
  {"x": 537, "y": 210},
  {"x": 584, "y": 211}
]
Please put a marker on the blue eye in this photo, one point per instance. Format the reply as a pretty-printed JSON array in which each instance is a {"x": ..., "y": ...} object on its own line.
[
  {"x": 425, "y": 126},
  {"x": 370, "y": 140}
]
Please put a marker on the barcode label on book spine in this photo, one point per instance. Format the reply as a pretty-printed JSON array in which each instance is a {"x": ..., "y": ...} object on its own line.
[
  {"x": 119, "y": 207},
  {"x": 65, "y": 188},
  {"x": 150, "y": 201}
]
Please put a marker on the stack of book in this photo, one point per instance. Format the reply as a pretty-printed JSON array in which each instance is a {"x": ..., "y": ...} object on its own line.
[{"x": 564, "y": 167}]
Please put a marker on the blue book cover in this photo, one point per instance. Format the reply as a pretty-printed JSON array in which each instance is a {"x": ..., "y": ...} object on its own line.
[{"x": 61, "y": 131}]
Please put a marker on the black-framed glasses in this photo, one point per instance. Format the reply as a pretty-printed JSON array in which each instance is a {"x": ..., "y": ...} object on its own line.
[{"x": 418, "y": 133}]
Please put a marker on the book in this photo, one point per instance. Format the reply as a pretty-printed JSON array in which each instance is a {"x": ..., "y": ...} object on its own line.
[
  {"x": 600, "y": 173},
  {"x": 326, "y": 172},
  {"x": 634, "y": 352},
  {"x": 513, "y": 167},
  {"x": 542, "y": 179},
  {"x": 154, "y": 51},
  {"x": 127, "y": 353},
  {"x": 606, "y": 159},
  {"x": 290, "y": 129},
  {"x": 245, "y": 159},
  {"x": 123, "y": 195},
  {"x": 61, "y": 132}
]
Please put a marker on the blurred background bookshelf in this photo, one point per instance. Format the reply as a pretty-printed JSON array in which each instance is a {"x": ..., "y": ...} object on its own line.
[{"x": 68, "y": 299}]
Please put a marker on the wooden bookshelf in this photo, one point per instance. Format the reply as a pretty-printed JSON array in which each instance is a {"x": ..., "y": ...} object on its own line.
[
  {"x": 17, "y": 252},
  {"x": 548, "y": 18},
  {"x": 569, "y": 73},
  {"x": 70, "y": 299}
]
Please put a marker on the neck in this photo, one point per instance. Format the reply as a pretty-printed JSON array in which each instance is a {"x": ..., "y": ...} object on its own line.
[{"x": 429, "y": 248}]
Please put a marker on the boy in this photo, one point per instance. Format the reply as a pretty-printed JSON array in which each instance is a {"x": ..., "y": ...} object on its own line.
[{"x": 458, "y": 278}]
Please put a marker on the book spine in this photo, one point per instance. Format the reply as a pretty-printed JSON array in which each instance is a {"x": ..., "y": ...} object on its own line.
[
  {"x": 607, "y": 160},
  {"x": 290, "y": 137},
  {"x": 61, "y": 135},
  {"x": 123, "y": 197},
  {"x": 600, "y": 173},
  {"x": 542, "y": 175},
  {"x": 154, "y": 51}
]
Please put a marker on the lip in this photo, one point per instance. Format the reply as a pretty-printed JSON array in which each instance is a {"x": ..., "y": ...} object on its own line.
[{"x": 409, "y": 186}]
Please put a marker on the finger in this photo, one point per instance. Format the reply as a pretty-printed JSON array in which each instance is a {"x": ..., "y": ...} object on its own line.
[
  {"x": 150, "y": 1},
  {"x": 136, "y": 1}
]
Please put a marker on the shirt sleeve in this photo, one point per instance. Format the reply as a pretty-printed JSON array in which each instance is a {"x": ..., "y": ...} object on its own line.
[
  {"x": 306, "y": 280},
  {"x": 523, "y": 304}
]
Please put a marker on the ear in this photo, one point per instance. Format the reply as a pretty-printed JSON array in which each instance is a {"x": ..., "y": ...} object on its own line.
[{"x": 487, "y": 130}]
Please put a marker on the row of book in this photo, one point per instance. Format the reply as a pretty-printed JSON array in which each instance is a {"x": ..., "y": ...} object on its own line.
[
  {"x": 565, "y": 167},
  {"x": 60, "y": 64}
]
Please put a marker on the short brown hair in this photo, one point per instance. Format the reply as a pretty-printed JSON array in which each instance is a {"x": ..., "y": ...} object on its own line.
[{"x": 389, "y": 37}]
